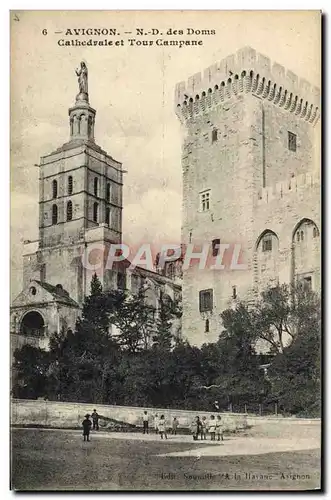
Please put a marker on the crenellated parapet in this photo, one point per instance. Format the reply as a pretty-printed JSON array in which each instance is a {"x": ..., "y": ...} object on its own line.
[
  {"x": 289, "y": 187},
  {"x": 247, "y": 71}
]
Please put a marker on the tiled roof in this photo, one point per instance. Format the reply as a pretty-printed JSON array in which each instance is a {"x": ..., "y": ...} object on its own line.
[{"x": 58, "y": 293}]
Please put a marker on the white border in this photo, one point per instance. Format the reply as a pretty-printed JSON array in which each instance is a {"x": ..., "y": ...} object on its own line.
[{"x": 4, "y": 185}]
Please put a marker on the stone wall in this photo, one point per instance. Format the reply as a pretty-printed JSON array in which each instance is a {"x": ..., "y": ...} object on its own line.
[{"x": 68, "y": 415}]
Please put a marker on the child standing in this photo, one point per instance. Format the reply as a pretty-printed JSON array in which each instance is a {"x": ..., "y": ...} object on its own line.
[
  {"x": 86, "y": 427},
  {"x": 162, "y": 427},
  {"x": 95, "y": 419},
  {"x": 203, "y": 428},
  {"x": 219, "y": 428},
  {"x": 212, "y": 427},
  {"x": 174, "y": 426}
]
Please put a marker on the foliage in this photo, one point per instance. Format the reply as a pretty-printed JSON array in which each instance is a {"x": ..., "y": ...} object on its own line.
[{"x": 137, "y": 361}]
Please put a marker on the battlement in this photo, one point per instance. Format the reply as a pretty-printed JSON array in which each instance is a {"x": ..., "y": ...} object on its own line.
[
  {"x": 289, "y": 187},
  {"x": 247, "y": 71}
]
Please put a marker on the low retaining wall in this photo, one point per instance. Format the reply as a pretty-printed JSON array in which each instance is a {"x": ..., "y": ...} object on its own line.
[
  {"x": 66, "y": 415},
  {"x": 282, "y": 420}
]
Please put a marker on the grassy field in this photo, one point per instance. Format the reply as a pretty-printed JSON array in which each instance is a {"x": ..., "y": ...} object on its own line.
[{"x": 60, "y": 460}]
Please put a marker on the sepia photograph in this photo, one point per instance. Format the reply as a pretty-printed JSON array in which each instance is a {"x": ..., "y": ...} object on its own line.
[{"x": 165, "y": 253}]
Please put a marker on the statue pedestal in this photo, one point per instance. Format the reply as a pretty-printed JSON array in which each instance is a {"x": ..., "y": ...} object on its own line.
[{"x": 82, "y": 97}]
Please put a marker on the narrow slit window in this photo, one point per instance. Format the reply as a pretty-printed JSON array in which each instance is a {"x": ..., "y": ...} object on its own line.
[
  {"x": 70, "y": 185},
  {"x": 96, "y": 184},
  {"x": 69, "y": 211},
  {"x": 108, "y": 192},
  {"x": 107, "y": 217},
  {"x": 215, "y": 246},
  {"x": 54, "y": 214},
  {"x": 54, "y": 189},
  {"x": 95, "y": 212},
  {"x": 292, "y": 141}
]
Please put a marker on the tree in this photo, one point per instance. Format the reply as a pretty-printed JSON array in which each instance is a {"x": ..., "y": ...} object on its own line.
[
  {"x": 163, "y": 337},
  {"x": 240, "y": 377},
  {"x": 133, "y": 318},
  {"x": 295, "y": 375},
  {"x": 31, "y": 368},
  {"x": 282, "y": 313}
]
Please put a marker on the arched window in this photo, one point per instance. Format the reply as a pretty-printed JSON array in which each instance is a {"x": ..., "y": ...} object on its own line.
[
  {"x": 298, "y": 236},
  {"x": 107, "y": 217},
  {"x": 54, "y": 189},
  {"x": 96, "y": 186},
  {"x": 70, "y": 185},
  {"x": 69, "y": 210},
  {"x": 54, "y": 214},
  {"x": 95, "y": 212},
  {"x": 108, "y": 192},
  {"x": 207, "y": 326},
  {"x": 302, "y": 235}
]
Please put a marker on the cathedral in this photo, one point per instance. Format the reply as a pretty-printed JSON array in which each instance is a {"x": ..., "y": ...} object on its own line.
[
  {"x": 80, "y": 209},
  {"x": 251, "y": 177}
]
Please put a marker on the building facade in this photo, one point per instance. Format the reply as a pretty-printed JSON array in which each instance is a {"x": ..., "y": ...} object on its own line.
[
  {"x": 251, "y": 177},
  {"x": 80, "y": 217}
]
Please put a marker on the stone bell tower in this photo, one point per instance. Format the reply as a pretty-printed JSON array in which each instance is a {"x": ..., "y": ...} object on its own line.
[{"x": 80, "y": 206}]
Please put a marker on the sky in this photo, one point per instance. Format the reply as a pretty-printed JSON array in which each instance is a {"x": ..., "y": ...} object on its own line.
[{"x": 132, "y": 89}]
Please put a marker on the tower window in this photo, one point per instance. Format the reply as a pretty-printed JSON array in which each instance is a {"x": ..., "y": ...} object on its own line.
[
  {"x": 206, "y": 300},
  {"x": 69, "y": 210},
  {"x": 207, "y": 326},
  {"x": 70, "y": 185},
  {"x": 292, "y": 141},
  {"x": 215, "y": 246},
  {"x": 214, "y": 135},
  {"x": 234, "y": 292},
  {"x": 54, "y": 214},
  {"x": 302, "y": 235},
  {"x": 108, "y": 192},
  {"x": 205, "y": 201},
  {"x": 298, "y": 236},
  {"x": 96, "y": 182},
  {"x": 54, "y": 189},
  {"x": 95, "y": 212},
  {"x": 267, "y": 244},
  {"x": 107, "y": 217}
]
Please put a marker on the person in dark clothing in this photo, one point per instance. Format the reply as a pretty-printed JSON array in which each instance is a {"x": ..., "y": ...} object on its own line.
[
  {"x": 145, "y": 422},
  {"x": 196, "y": 428},
  {"x": 95, "y": 420},
  {"x": 86, "y": 427}
]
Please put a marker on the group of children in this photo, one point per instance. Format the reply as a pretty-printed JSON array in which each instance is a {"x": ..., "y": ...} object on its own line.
[
  {"x": 199, "y": 427},
  {"x": 213, "y": 426}
]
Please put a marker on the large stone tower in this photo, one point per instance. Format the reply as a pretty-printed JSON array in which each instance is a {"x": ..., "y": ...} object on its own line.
[
  {"x": 80, "y": 204},
  {"x": 251, "y": 165}
]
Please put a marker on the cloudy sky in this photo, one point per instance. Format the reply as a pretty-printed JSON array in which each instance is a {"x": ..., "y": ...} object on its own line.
[{"x": 132, "y": 90}]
